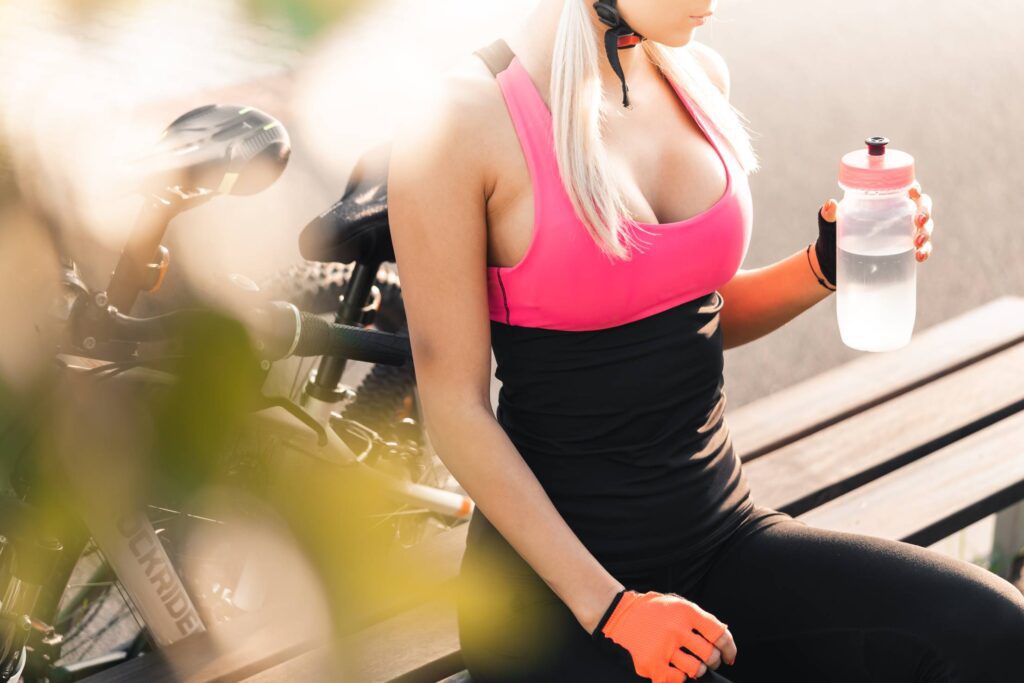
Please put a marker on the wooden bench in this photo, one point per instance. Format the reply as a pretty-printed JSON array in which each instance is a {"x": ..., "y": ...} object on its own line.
[{"x": 910, "y": 445}]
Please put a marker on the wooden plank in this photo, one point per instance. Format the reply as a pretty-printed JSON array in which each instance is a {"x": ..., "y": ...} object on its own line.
[
  {"x": 931, "y": 498},
  {"x": 834, "y": 460},
  {"x": 422, "y": 570},
  {"x": 793, "y": 413},
  {"x": 421, "y": 644},
  {"x": 231, "y": 651},
  {"x": 448, "y": 667},
  {"x": 461, "y": 677},
  {"x": 315, "y": 665}
]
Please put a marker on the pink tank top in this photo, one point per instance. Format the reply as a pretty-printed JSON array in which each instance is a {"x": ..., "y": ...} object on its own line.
[{"x": 565, "y": 282}]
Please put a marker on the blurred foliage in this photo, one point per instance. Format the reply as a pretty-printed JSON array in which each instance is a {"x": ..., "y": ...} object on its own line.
[
  {"x": 83, "y": 10},
  {"x": 22, "y": 419},
  {"x": 194, "y": 419},
  {"x": 305, "y": 18},
  {"x": 218, "y": 385},
  {"x": 139, "y": 441},
  {"x": 133, "y": 437}
]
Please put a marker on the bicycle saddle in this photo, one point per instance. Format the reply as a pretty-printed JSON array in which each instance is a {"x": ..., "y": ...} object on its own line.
[{"x": 356, "y": 228}]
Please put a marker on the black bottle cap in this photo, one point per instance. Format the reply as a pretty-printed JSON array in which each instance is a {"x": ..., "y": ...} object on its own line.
[{"x": 876, "y": 145}]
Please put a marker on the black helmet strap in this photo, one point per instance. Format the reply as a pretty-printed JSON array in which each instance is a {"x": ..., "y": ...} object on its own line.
[{"x": 609, "y": 15}]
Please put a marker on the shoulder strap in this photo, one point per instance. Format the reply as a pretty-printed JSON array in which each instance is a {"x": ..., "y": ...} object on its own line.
[{"x": 497, "y": 56}]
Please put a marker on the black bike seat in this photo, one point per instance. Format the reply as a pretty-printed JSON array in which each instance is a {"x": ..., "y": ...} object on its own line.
[{"x": 356, "y": 228}]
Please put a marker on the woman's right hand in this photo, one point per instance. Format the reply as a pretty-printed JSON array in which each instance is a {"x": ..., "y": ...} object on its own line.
[{"x": 652, "y": 627}]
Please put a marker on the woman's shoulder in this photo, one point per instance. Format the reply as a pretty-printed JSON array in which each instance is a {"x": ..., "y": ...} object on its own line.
[{"x": 453, "y": 114}]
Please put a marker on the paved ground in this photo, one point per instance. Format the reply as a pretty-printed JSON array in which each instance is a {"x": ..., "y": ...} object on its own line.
[{"x": 943, "y": 81}]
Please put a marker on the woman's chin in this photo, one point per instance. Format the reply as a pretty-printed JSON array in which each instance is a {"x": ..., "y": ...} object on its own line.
[{"x": 679, "y": 38}]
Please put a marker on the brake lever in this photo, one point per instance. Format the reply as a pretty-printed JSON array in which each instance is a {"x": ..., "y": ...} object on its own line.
[{"x": 296, "y": 412}]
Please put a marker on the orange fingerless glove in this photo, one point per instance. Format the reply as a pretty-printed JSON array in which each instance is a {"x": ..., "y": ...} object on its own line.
[{"x": 653, "y": 627}]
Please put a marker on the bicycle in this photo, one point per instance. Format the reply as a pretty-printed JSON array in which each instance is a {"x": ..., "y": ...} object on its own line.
[{"x": 249, "y": 152}]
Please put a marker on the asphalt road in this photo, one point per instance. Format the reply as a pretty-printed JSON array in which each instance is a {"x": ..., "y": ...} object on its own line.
[{"x": 943, "y": 81}]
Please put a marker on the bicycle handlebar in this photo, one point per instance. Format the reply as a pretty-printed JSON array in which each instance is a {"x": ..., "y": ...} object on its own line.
[
  {"x": 285, "y": 331},
  {"x": 317, "y": 337}
]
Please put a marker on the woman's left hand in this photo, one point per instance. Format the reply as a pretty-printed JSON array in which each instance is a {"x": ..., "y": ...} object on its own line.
[{"x": 923, "y": 224}]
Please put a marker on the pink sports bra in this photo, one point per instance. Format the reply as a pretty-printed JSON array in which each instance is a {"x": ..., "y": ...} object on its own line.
[{"x": 565, "y": 282}]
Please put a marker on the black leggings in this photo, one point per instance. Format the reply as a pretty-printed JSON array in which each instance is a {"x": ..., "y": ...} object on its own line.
[{"x": 804, "y": 605}]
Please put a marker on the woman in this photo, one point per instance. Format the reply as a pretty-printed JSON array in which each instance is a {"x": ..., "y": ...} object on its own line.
[{"x": 596, "y": 246}]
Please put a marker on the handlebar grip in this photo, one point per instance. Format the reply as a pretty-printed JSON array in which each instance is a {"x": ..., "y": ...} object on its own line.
[
  {"x": 321, "y": 338},
  {"x": 284, "y": 331}
]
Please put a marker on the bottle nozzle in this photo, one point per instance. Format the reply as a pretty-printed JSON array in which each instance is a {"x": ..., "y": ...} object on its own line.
[{"x": 876, "y": 145}]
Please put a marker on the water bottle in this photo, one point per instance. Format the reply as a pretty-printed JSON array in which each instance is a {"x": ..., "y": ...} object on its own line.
[{"x": 876, "y": 272}]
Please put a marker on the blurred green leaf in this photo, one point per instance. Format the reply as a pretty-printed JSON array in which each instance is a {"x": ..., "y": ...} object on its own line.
[
  {"x": 218, "y": 385},
  {"x": 306, "y": 18}
]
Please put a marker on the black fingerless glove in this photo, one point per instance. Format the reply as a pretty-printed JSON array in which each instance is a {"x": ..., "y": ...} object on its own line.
[{"x": 825, "y": 248}]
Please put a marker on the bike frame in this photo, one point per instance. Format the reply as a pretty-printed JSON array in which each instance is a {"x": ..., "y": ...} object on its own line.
[
  {"x": 140, "y": 563},
  {"x": 131, "y": 546},
  {"x": 138, "y": 559},
  {"x": 127, "y": 538}
]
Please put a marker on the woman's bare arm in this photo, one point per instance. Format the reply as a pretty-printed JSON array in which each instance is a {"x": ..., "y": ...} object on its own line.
[
  {"x": 760, "y": 300},
  {"x": 437, "y": 189}
]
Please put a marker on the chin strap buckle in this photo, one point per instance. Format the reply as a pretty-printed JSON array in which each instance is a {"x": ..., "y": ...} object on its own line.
[
  {"x": 629, "y": 41},
  {"x": 618, "y": 36}
]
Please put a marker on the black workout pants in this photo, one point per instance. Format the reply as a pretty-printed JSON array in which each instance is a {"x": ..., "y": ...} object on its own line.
[{"x": 804, "y": 605}]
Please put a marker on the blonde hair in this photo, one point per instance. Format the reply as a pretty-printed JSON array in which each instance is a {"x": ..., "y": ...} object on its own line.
[{"x": 576, "y": 111}]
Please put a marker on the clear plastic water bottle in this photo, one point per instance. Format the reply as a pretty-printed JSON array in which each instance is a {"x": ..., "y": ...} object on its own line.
[{"x": 876, "y": 272}]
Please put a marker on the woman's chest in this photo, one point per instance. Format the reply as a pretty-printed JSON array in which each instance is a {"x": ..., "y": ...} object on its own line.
[{"x": 666, "y": 169}]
